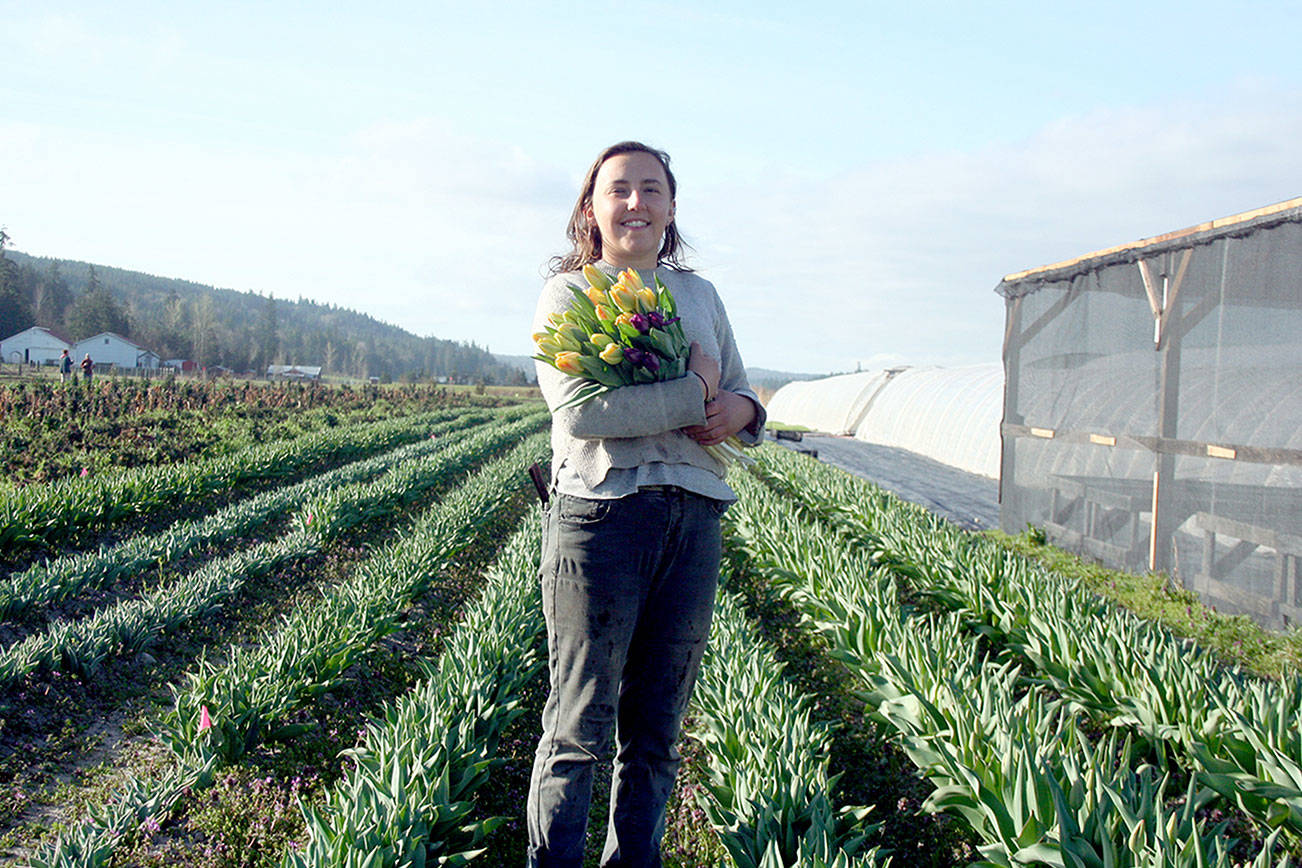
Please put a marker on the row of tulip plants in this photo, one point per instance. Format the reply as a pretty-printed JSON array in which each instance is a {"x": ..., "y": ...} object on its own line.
[
  {"x": 1003, "y": 755},
  {"x": 82, "y": 645},
  {"x": 55, "y": 581},
  {"x": 408, "y": 797},
  {"x": 769, "y": 794},
  {"x": 45, "y": 516},
  {"x": 224, "y": 710},
  {"x": 1240, "y": 734},
  {"x": 407, "y": 800}
]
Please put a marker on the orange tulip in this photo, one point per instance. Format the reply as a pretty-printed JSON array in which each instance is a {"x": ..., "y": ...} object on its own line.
[
  {"x": 631, "y": 279},
  {"x": 570, "y": 363},
  {"x": 625, "y": 299}
]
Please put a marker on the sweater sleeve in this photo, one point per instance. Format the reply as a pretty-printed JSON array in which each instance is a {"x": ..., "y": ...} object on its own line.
[
  {"x": 629, "y": 411},
  {"x": 732, "y": 376}
]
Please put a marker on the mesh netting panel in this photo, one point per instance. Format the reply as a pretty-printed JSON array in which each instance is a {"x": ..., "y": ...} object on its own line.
[{"x": 1176, "y": 446}]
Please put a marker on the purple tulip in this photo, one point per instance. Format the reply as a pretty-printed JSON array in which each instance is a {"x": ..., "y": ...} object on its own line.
[
  {"x": 641, "y": 322},
  {"x": 643, "y": 358},
  {"x": 658, "y": 320}
]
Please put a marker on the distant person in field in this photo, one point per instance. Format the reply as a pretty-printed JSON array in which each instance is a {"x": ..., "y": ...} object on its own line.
[
  {"x": 65, "y": 367},
  {"x": 87, "y": 367},
  {"x": 631, "y": 542}
]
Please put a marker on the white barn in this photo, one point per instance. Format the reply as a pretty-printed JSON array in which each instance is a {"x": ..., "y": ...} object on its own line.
[
  {"x": 107, "y": 348},
  {"x": 294, "y": 372},
  {"x": 36, "y": 345}
]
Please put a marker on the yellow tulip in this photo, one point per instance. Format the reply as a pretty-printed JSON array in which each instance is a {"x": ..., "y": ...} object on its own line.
[
  {"x": 549, "y": 346},
  {"x": 555, "y": 318},
  {"x": 624, "y": 299},
  {"x": 596, "y": 277},
  {"x": 569, "y": 363},
  {"x": 571, "y": 337},
  {"x": 538, "y": 336},
  {"x": 601, "y": 339},
  {"x": 596, "y": 296},
  {"x": 604, "y": 314},
  {"x": 625, "y": 319},
  {"x": 648, "y": 298},
  {"x": 631, "y": 279},
  {"x": 612, "y": 354}
]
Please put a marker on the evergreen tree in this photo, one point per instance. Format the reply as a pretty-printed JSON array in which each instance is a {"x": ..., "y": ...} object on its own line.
[
  {"x": 15, "y": 313},
  {"x": 96, "y": 311},
  {"x": 52, "y": 297},
  {"x": 267, "y": 338}
]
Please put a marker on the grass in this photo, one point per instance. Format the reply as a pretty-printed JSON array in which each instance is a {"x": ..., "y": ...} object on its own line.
[{"x": 1155, "y": 597}]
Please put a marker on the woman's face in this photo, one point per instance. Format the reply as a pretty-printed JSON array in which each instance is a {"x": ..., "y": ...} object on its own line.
[{"x": 631, "y": 206}]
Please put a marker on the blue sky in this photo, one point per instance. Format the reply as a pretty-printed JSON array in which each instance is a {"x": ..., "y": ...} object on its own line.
[{"x": 854, "y": 177}]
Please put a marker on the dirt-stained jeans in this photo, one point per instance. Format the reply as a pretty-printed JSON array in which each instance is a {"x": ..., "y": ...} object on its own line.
[{"x": 628, "y": 591}]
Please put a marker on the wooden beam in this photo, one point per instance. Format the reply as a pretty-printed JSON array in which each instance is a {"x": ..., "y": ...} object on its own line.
[
  {"x": 1154, "y": 303},
  {"x": 1172, "y": 295},
  {"x": 1220, "y": 223}
]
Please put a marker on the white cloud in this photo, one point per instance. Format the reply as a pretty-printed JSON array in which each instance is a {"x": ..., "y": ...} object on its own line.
[{"x": 900, "y": 258}]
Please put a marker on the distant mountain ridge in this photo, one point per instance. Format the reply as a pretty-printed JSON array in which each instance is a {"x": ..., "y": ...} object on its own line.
[{"x": 243, "y": 331}]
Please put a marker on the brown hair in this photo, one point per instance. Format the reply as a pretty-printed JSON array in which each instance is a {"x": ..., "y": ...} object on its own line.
[{"x": 586, "y": 237}]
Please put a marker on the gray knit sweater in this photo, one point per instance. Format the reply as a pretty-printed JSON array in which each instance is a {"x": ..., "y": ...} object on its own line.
[{"x": 628, "y": 437}]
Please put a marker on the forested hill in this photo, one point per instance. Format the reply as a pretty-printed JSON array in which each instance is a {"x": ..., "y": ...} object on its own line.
[{"x": 243, "y": 331}]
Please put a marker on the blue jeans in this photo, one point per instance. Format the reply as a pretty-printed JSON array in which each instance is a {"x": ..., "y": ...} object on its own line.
[{"x": 628, "y": 592}]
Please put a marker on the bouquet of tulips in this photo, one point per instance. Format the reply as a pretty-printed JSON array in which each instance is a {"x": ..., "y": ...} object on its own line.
[{"x": 620, "y": 333}]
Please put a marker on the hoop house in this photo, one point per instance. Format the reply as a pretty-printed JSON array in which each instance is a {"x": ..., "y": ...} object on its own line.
[
  {"x": 950, "y": 415},
  {"x": 1153, "y": 408}
]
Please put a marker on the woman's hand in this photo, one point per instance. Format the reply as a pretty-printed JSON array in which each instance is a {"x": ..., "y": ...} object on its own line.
[
  {"x": 706, "y": 367},
  {"x": 727, "y": 414}
]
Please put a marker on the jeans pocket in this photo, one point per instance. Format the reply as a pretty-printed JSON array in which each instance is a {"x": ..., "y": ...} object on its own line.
[{"x": 581, "y": 510}]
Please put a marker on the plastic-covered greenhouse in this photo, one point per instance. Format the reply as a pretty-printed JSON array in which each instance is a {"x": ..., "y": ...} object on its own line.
[
  {"x": 950, "y": 415},
  {"x": 1153, "y": 407}
]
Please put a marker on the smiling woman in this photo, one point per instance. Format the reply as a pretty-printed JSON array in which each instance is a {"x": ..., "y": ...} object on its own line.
[{"x": 631, "y": 542}]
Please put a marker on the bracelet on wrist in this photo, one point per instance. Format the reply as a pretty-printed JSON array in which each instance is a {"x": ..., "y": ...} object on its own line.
[{"x": 704, "y": 385}]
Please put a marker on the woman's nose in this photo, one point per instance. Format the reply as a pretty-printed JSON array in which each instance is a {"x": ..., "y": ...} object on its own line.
[{"x": 634, "y": 201}]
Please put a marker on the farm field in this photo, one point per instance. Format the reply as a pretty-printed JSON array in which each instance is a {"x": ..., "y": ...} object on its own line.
[
  {"x": 52, "y": 431},
  {"x": 321, "y": 645}
]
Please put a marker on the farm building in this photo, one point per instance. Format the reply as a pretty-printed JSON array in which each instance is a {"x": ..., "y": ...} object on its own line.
[
  {"x": 950, "y": 415},
  {"x": 107, "y": 348},
  {"x": 293, "y": 372},
  {"x": 35, "y": 345},
  {"x": 1153, "y": 408}
]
